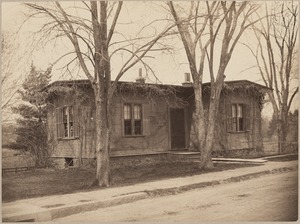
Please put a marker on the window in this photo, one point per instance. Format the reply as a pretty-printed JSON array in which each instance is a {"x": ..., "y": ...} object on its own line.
[
  {"x": 68, "y": 122},
  {"x": 238, "y": 119},
  {"x": 66, "y": 125},
  {"x": 69, "y": 162},
  {"x": 132, "y": 119}
]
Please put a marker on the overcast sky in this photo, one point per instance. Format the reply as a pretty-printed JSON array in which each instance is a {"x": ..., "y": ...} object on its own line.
[{"x": 168, "y": 68}]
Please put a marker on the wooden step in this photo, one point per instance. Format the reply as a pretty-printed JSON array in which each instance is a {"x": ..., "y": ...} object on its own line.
[{"x": 183, "y": 155}]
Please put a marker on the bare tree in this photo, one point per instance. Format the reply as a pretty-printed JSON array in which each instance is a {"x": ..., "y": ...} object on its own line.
[
  {"x": 202, "y": 27},
  {"x": 10, "y": 73},
  {"x": 277, "y": 59},
  {"x": 92, "y": 41}
]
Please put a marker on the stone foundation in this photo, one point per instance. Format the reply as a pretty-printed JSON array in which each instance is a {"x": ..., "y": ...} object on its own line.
[
  {"x": 137, "y": 160},
  {"x": 238, "y": 153},
  {"x": 115, "y": 162},
  {"x": 144, "y": 160}
]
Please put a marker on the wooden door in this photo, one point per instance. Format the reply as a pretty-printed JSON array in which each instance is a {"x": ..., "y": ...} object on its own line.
[{"x": 177, "y": 128}]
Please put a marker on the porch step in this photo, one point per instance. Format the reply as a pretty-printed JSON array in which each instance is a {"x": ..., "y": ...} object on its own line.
[
  {"x": 183, "y": 155},
  {"x": 231, "y": 160}
]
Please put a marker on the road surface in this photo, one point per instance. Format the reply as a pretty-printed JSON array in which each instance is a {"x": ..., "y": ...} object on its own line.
[{"x": 271, "y": 197}]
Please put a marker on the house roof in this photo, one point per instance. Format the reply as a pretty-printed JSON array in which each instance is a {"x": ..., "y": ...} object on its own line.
[
  {"x": 245, "y": 82},
  {"x": 231, "y": 84}
]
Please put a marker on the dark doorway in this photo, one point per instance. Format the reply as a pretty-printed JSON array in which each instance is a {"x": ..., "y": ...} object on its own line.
[{"x": 177, "y": 127}]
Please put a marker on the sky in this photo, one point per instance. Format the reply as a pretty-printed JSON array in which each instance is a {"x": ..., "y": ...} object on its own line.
[{"x": 169, "y": 68}]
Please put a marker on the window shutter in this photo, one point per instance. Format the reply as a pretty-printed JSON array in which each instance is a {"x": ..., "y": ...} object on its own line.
[
  {"x": 59, "y": 122},
  {"x": 246, "y": 115},
  {"x": 85, "y": 115},
  {"x": 146, "y": 119},
  {"x": 76, "y": 121},
  {"x": 222, "y": 116},
  {"x": 228, "y": 116}
]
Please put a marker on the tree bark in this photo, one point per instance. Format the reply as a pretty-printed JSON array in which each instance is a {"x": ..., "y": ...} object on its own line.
[
  {"x": 282, "y": 130},
  {"x": 102, "y": 139},
  {"x": 198, "y": 121},
  {"x": 102, "y": 93},
  {"x": 208, "y": 144}
]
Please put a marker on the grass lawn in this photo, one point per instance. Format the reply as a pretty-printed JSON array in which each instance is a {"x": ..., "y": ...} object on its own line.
[{"x": 45, "y": 182}]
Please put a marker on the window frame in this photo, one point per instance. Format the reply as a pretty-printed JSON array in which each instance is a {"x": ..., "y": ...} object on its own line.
[
  {"x": 60, "y": 123},
  {"x": 238, "y": 118},
  {"x": 132, "y": 119},
  {"x": 68, "y": 111}
]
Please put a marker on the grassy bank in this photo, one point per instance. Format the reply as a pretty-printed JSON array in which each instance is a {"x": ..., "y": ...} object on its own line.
[{"x": 45, "y": 182}]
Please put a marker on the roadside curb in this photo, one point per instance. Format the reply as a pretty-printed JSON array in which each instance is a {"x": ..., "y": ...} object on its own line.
[
  {"x": 48, "y": 214},
  {"x": 90, "y": 206},
  {"x": 181, "y": 189},
  {"x": 54, "y": 213}
]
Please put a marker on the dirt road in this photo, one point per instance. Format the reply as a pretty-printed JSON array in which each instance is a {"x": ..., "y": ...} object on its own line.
[{"x": 271, "y": 197}]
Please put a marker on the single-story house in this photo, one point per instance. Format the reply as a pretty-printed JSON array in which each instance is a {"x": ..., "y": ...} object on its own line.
[{"x": 149, "y": 119}]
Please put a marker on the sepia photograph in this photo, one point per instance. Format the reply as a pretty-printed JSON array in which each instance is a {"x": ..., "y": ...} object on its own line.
[{"x": 149, "y": 111}]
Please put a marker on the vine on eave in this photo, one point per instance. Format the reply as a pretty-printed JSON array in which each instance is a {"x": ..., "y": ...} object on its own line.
[
  {"x": 152, "y": 92},
  {"x": 78, "y": 93},
  {"x": 258, "y": 93}
]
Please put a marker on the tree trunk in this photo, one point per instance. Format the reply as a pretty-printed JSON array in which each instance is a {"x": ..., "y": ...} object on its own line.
[
  {"x": 208, "y": 143},
  {"x": 281, "y": 116},
  {"x": 102, "y": 93},
  {"x": 203, "y": 125},
  {"x": 102, "y": 139},
  {"x": 282, "y": 131},
  {"x": 198, "y": 121}
]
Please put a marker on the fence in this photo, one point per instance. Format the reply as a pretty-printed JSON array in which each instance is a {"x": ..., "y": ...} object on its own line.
[
  {"x": 271, "y": 147},
  {"x": 16, "y": 169},
  {"x": 291, "y": 147}
]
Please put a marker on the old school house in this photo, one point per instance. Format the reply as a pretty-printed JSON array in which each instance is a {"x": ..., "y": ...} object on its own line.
[{"x": 150, "y": 120}]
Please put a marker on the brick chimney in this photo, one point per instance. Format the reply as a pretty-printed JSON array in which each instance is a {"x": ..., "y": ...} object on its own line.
[
  {"x": 187, "y": 80},
  {"x": 140, "y": 79}
]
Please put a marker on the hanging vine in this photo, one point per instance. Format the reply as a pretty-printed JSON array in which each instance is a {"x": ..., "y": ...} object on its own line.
[{"x": 152, "y": 92}]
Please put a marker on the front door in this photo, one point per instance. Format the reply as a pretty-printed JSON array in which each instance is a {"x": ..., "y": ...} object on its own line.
[{"x": 177, "y": 128}]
